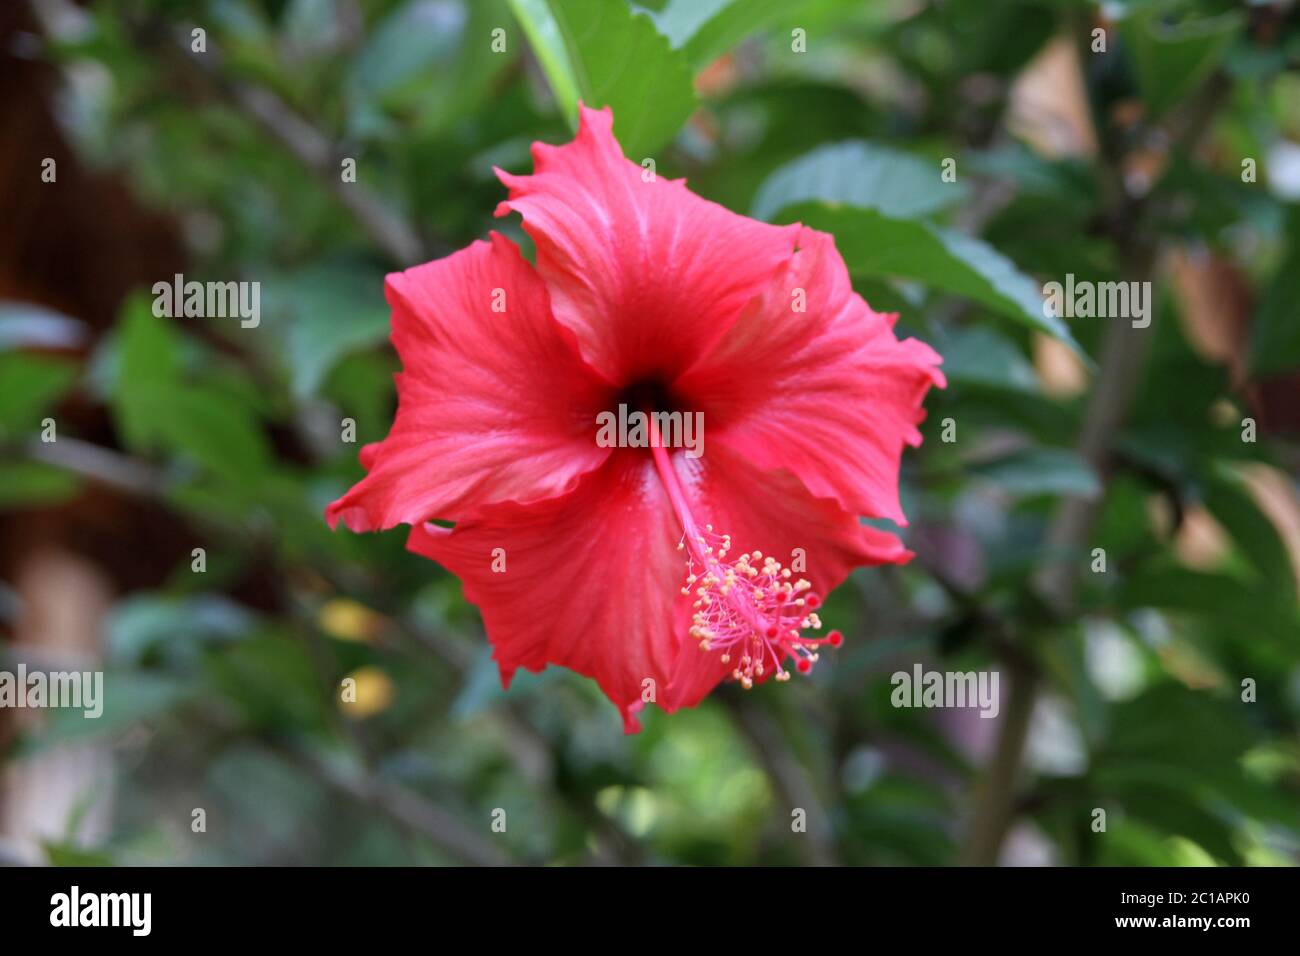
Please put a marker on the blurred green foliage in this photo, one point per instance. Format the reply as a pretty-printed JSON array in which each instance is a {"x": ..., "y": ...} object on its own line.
[{"x": 235, "y": 672}]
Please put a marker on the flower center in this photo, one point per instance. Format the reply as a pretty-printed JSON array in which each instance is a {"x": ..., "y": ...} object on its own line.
[{"x": 750, "y": 609}]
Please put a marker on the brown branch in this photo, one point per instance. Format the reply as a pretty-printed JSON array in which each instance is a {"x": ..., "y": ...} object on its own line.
[
  {"x": 311, "y": 148},
  {"x": 528, "y": 749},
  {"x": 98, "y": 464},
  {"x": 789, "y": 778},
  {"x": 279, "y": 121},
  {"x": 409, "y": 810},
  {"x": 1124, "y": 352}
]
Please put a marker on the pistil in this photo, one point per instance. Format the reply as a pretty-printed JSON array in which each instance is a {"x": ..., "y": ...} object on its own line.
[{"x": 749, "y": 609}]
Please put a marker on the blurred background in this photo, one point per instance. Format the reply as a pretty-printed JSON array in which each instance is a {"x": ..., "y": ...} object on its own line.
[{"x": 1110, "y": 523}]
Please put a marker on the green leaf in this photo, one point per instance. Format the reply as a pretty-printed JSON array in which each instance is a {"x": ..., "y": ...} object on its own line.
[
  {"x": 1275, "y": 333},
  {"x": 547, "y": 41},
  {"x": 875, "y": 244},
  {"x": 609, "y": 56},
  {"x": 464, "y": 81},
  {"x": 174, "y": 626},
  {"x": 1173, "y": 760},
  {"x": 862, "y": 175},
  {"x": 69, "y": 854},
  {"x": 980, "y": 356},
  {"x": 273, "y": 680},
  {"x": 481, "y": 690},
  {"x": 1041, "y": 471},
  {"x": 27, "y": 483},
  {"x": 331, "y": 311},
  {"x": 1232, "y": 605},
  {"x": 156, "y": 409},
  {"x": 310, "y": 25},
  {"x": 148, "y": 347},
  {"x": 29, "y": 385},
  {"x": 1257, "y": 539},
  {"x": 1172, "y": 60},
  {"x": 203, "y": 423},
  {"x": 411, "y": 38},
  {"x": 705, "y": 29},
  {"x": 128, "y": 698}
]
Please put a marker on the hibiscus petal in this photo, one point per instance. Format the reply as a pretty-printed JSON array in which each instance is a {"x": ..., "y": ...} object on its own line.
[
  {"x": 827, "y": 392},
  {"x": 646, "y": 274},
  {"x": 493, "y": 405},
  {"x": 593, "y": 579},
  {"x": 772, "y": 512}
]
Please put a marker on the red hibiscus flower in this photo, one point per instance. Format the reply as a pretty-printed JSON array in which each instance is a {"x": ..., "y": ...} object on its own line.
[{"x": 657, "y": 571}]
